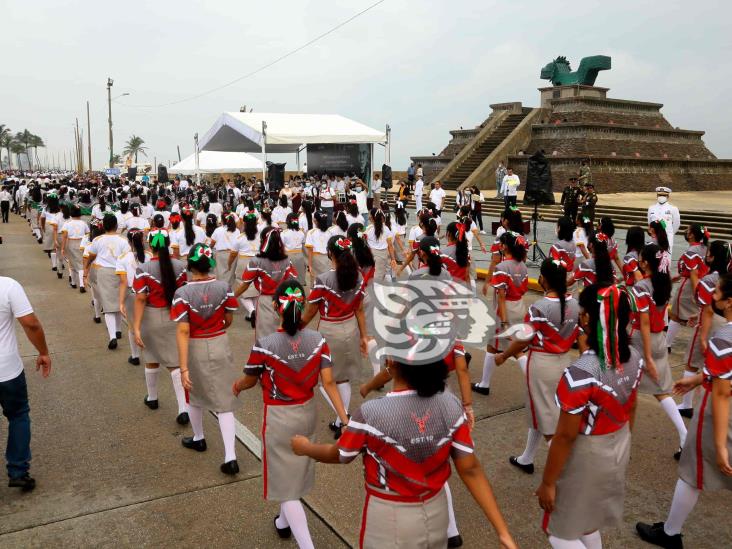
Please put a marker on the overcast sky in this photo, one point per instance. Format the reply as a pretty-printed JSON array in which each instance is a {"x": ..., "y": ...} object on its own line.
[{"x": 422, "y": 66}]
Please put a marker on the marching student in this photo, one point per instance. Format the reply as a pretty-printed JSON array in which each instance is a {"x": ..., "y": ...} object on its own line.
[
  {"x": 606, "y": 226},
  {"x": 596, "y": 269},
  {"x": 246, "y": 247},
  {"x": 188, "y": 236},
  {"x": 583, "y": 487},
  {"x": 287, "y": 363},
  {"x": 95, "y": 229},
  {"x": 204, "y": 309},
  {"x": 102, "y": 254},
  {"x": 635, "y": 240},
  {"x": 380, "y": 240},
  {"x": 705, "y": 461},
  {"x": 316, "y": 244},
  {"x": 338, "y": 295},
  {"x": 717, "y": 261},
  {"x": 429, "y": 255},
  {"x": 62, "y": 218},
  {"x": 155, "y": 284},
  {"x": 126, "y": 269},
  {"x": 293, "y": 239},
  {"x": 657, "y": 232},
  {"x": 136, "y": 221},
  {"x": 651, "y": 296},
  {"x": 340, "y": 224},
  {"x": 280, "y": 212},
  {"x": 223, "y": 239},
  {"x": 564, "y": 248},
  {"x": 554, "y": 320},
  {"x": 510, "y": 281},
  {"x": 427, "y": 227},
  {"x": 456, "y": 255},
  {"x": 583, "y": 232},
  {"x": 691, "y": 268},
  {"x": 267, "y": 270},
  {"x": 72, "y": 233},
  {"x": 400, "y": 231},
  {"x": 49, "y": 220},
  {"x": 418, "y": 423}
]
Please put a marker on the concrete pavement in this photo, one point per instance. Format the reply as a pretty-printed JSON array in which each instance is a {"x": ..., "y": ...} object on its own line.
[{"x": 110, "y": 472}]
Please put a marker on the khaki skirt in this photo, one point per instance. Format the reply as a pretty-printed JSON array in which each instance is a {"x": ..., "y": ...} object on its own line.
[
  {"x": 684, "y": 305},
  {"x": 212, "y": 372},
  {"x": 591, "y": 489},
  {"x": 73, "y": 254},
  {"x": 267, "y": 318},
  {"x": 48, "y": 242},
  {"x": 298, "y": 261},
  {"x": 343, "y": 341},
  {"x": 698, "y": 464},
  {"x": 516, "y": 313},
  {"x": 239, "y": 267},
  {"x": 694, "y": 354},
  {"x": 543, "y": 372},
  {"x": 106, "y": 289},
  {"x": 287, "y": 476},
  {"x": 406, "y": 525},
  {"x": 381, "y": 264},
  {"x": 158, "y": 335},
  {"x": 321, "y": 264},
  {"x": 659, "y": 352},
  {"x": 221, "y": 270}
]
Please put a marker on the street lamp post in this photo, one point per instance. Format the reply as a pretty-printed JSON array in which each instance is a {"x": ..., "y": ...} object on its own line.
[{"x": 110, "y": 82}]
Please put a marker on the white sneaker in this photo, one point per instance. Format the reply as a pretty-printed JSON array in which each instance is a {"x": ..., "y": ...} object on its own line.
[{"x": 482, "y": 232}]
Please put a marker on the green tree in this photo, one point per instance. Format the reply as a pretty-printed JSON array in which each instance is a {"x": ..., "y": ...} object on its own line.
[
  {"x": 25, "y": 138},
  {"x": 116, "y": 159},
  {"x": 18, "y": 148},
  {"x": 35, "y": 142},
  {"x": 134, "y": 146},
  {"x": 6, "y": 138}
]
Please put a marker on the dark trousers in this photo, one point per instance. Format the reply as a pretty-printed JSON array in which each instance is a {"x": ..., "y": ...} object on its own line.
[
  {"x": 14, "y": 403},
  {"x": 571, "y": 213},
  {"x": 5, "y": 209},
  {"x": 509, "y": 201},
  {"x": 477, "y": 216}
]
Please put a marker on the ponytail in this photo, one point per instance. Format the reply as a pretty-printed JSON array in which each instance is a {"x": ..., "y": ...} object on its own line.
[
  {"x": 661, "y": 236},
  {"x": 321, "y": 220},
  {"x": 361, "y": 250},
  {"x": 659, "y": 263},
  {"x": 720, "y": 251},
  {"x": 159, "y": 243},
  {"x": 456, "y": 231},
  {"x": 230, "y": 223},
  {"x": 188, "y": 228},
  {"x": 307, "y": 208},
  {"x": 555, "y": 275},
  {"x": 378, "y": 217},
  {"x": 339, "y": 248},
  {"x": 158, "y": 221},
  {"x": 289, "y": 301},
  {"x": 135, "y": 237},
  {"x": 430, "y": 248},
  {"x": 271, "y": 246},
  {"x": 603, "y": 266},
  {"x": 211, "y": 224},
  {"x": 341, "y": 221}
]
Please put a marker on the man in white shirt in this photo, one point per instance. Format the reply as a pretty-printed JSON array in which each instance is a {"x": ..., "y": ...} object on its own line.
[
  {"x": 668, "y": 213},
  {"x": 418, "y": 189},
  {"x": 14, "y": 304},
  {"x": 5, "y": 198},
  {"x": 437, "y": 197},
  {"x": 509, "y": 187},
  {"x": 376, "y": 190}
]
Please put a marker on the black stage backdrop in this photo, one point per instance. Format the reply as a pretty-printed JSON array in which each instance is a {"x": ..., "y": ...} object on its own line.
[{"x": 339, "y": 159}]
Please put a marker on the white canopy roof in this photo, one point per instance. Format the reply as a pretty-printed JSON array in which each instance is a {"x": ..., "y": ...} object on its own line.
[
  {"x": 218, "y": 162},
  {"x": 286, "y": 133}
]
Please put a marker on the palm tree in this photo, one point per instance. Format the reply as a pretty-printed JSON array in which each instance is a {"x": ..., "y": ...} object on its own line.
[
  {"x": 116, "y": 159},
  {"x": 24, "y": 138},
  {"x": 35, "y": 142},
  {"x": 6, "y": 138},
  {"x": 134, "y": 146},
  {"x": 18, "y": 148}
]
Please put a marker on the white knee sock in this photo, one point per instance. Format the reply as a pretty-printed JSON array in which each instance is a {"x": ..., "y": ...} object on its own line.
[
  {"x": 593, "y": 540},
  {"x": 522, "y": 362},
  {"x": 97, "y": 308},
  {"x": 294, "y": 514},
  {"x": 228, "y": 435},
  {"x": 248, "y": 304},
  {"x": 452, "y": 529},
  {"x": 532, "y": 445},
  {"x": 673, "y": 329},
  {"x": 688, "y": 400},
  {"x": 134, "y": 349},
  {"x": 180, "y": 394},
  {"x": 117, "y": 322},
  {"x": 669, "y": 406},
  {"x": 81, "y": 278},
  {"x": 73, "y": 277},
  {"x": 54, "y": 260},
  {"x": 682, "y": 505},
  {"x": 559, "y": 543},
  {"x": 344, "y": 389},
  {"x": 151, "y": 381},
  {"x": 326, "y": 397},
  {"x": 489, "y": 364},
  {"x": 375, "y": 364},
  {"x": 110, "y": 321},
  {"x": 195, "y": 414}
]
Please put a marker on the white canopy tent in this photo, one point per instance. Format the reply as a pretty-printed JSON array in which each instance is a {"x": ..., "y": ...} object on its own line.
[
  {"x": 218, "y": 162},
  {"x": 286, "y": 133}
]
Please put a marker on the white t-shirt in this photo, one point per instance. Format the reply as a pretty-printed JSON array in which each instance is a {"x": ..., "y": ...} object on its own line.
[
  {"x": 510, "y": 185},
  {"x": 418, "y": 186},
  {"x": 13, "y": 304},
  {"x": 216, "y": 208},
  {"x": 580, "y": 237},
  {"x": 224, "y": 239},
  {"x": 292, "y": 240},
  {"x": 245, "y": 247},
  {"x": 437, "y": 196},
  {"x": 5, "y": 196},
  {"x": 351, "y": 220},
  {"x": 317, "y": 240},
  {"x": 279, "y": 214},
  {"x": 381, "y": 242},
  {"x": 139, "y": 223},
  {"x": 107, "y": 248},
  {"x": 75, "y": 229},
  {"x": 178, "y": 239},
  {"x": 361, "y": 203}
]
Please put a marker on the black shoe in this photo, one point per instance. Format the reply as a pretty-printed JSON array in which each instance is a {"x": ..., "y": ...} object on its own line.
[
  {"x": 40, "y": 240},
  {"x": 333, "y": 426},
  {"x": 54, "y": 268},
  {"x": 653, "y": 533},
  {"x": 118, "y": 335},
  {"x": 73, "y": 286},
  {"x": 112, "y": 344},
  {"x": 455, "y": 541},
  {"x": 668, "y": 349},
  {"x": 183, "y": 418},
  {"x": 686, "y": 412},
  {"x": 677, "y": 454},
  {"x": 480, "y": 390},
  {"x": 97, "y": 320},
  {"x": 82, "y": 290},
  {"x": 253, "y": 321},
  {"x": 468, "y": 358},
  {"x": 60, "y": 275},
  {"x": 197, "y": 445},
  {"x": 528, "y": 468},
  {"x": 25, "y": 483},
  {"x": 152, "y": 404},
  {"x": 284, "y": 533},
  {"x": 135, "y": 361},
  {"x": 230, "y": 467}
]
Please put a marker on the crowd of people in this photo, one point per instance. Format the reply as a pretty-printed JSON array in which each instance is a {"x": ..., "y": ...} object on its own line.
[{"x": 174, "y": 264}]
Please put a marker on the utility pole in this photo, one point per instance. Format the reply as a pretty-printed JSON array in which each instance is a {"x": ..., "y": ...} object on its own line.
[
  {"x": 178, "y": 152},
  {"x": 110, "y": 82},
  {"x": 88, "y": 134},
  {"x": 79, "y": 149}
]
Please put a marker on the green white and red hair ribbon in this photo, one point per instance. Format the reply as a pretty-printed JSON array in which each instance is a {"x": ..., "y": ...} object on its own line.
[
  {"x": 292, "y": 296},
  {"x": 201, "y": 251},
  {"x": 607, "y": 327},
  {"x": 157, "y": 238},
  {"x": 343, "y": 244}
]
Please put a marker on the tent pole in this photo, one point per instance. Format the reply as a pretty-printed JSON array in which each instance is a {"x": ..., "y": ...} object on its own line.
[
  {"x": 264, "y": 151},
  {"x": 198, "y": 173},
  {"x": 388, "y": 145}
]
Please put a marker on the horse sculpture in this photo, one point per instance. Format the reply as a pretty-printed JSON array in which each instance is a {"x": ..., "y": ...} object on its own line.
[{"x": 560, "y": 73}]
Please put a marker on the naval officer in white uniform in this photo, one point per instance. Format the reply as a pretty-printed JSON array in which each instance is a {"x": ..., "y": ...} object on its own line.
[{"x": 669, "y": 213}]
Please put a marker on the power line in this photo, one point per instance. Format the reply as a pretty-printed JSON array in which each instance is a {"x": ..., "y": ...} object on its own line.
[{"x": 264, "y": 67}]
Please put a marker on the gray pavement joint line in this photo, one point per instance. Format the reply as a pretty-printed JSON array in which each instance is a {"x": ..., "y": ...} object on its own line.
[
  {"x": 131, "y": 504},
  {"x": 499, "y": 414},
  {"x": 254, "y": 445}
]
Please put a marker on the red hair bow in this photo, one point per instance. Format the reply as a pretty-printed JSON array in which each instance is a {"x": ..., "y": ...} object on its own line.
[{"x": 343, "y": 243}]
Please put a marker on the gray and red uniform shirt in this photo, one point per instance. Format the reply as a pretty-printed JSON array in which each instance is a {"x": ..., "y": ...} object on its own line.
[
  {"x": 513, "y": 277},
  {"x": 407, "y": 441},
  {"x": 335, "y": 305},
  {"x": 267, "y": 275},
  {"x": 630, "y": 266},
  {"x": 564, "y": 250},
  {"x": 718, "y": 360},
  {"x": 149, "y": 280},
  {"x": 551, "y": 335},
  {"x": 642, "y": 302},
  {"x": 203, "y": 304},
  {"x": 288, "y": 366}
]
